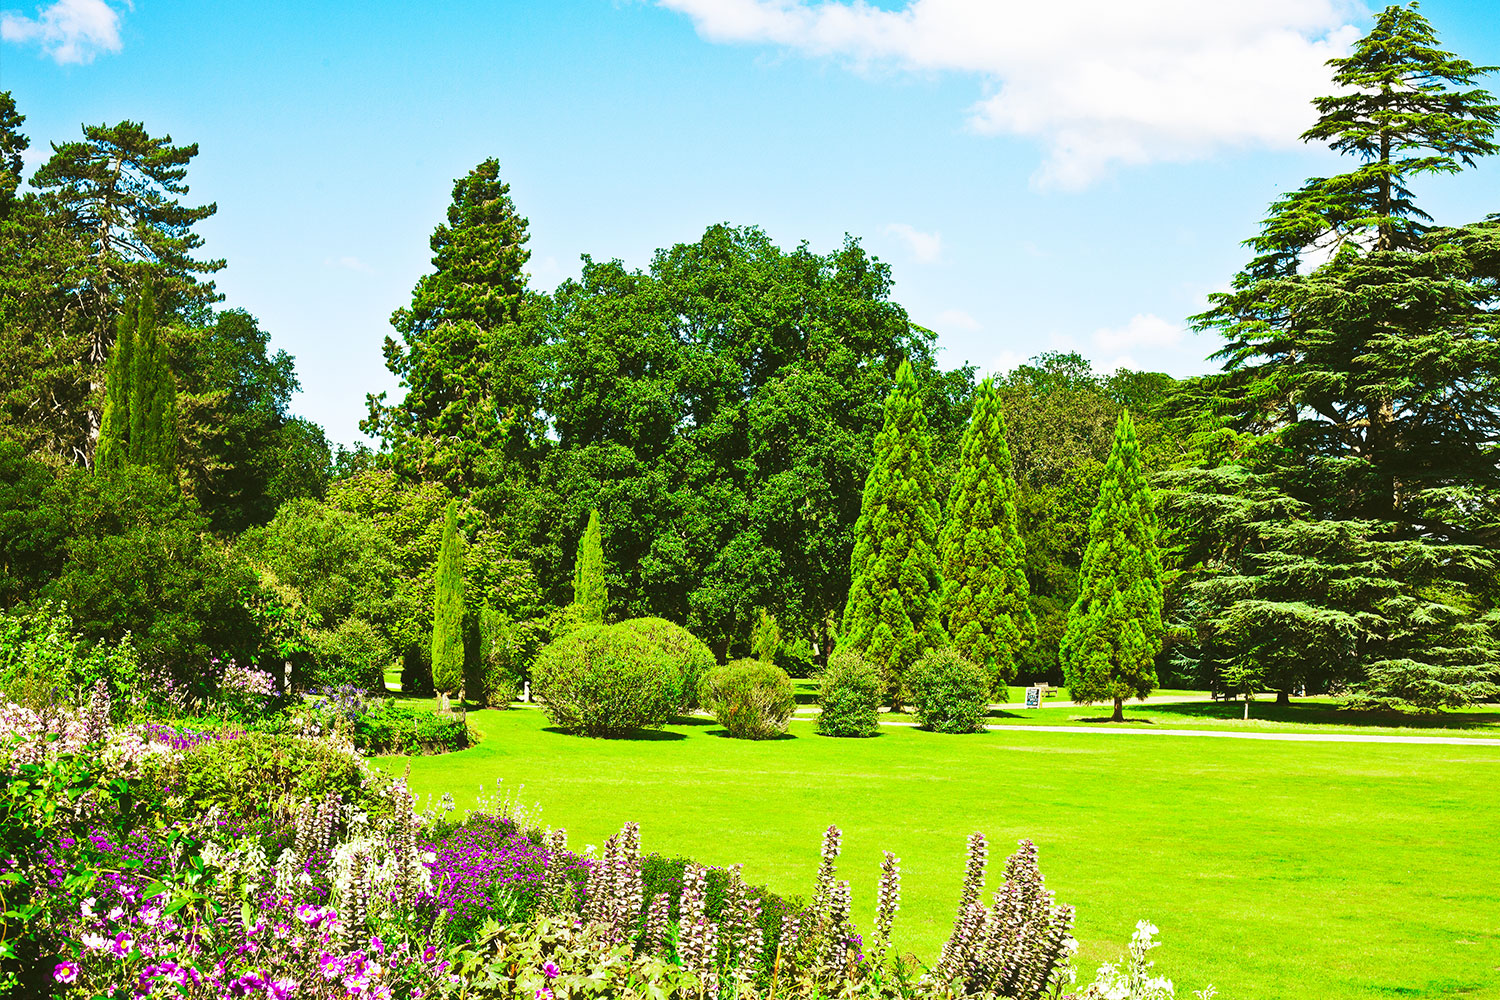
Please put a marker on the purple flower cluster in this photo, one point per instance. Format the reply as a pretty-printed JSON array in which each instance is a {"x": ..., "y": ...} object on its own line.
[
  {"x": 486, "y": 858},
  {"x": 181, "y": 738}
]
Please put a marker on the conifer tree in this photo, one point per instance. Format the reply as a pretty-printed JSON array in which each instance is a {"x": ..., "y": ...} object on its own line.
[
  {"x": 139, "y": 424},
  {"x": 985, "y": 602},
  {"x": 590, "y": 591},
  {"x": 113, "y": 450},
  {"x": 448, "y": 608},
  {"x": 891, "y": 617},
  {"x": 1115, "y": 627}
]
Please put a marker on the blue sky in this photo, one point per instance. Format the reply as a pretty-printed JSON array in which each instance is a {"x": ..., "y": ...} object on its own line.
[{"x": 1070, "y": 175}]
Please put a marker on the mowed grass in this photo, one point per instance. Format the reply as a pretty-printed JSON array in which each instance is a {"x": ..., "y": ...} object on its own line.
[{"x": 1273, "y": 869}]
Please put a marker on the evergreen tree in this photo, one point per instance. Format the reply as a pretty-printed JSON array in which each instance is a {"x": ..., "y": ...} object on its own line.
[
  {"x": 590, "y": 591},
  {"x": 1115, "y": 627},
  {"x": 891, "y": 617},
  {"x": 139, "y": 423},
  {"x": 448, "y": 608},
  {"x": 463, "y": 357},
  {"x": 986, "y": 599},
  {"x": 1365, "y": 385}
]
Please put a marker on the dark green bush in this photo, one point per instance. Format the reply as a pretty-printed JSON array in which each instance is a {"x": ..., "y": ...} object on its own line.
[
  {"x": 256, "y": 774},
  {"x": 664, "y": 874},
  {"x": 849, "y": 696},
  {"x": 687, "y": 654},
  {"x": 751, "y": 699},
  {"x": 606, "y": 680},
  {"x": 796, "y": 659},
  {"x": 949, "y": 694},
  {"x": 401, "y": 729}
]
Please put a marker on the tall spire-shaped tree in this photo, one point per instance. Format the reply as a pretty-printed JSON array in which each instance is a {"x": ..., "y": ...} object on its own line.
[
  {"x": 448, "y": 608},
  {"x": 139, "y": 424},
  {"x": 891, "y": 617},
  {"x": 985, "y": 603},
  {"x": 113, "y": 450},
  {"x": 1115, "y": 627},
  {"x": 590, "y": 591}
]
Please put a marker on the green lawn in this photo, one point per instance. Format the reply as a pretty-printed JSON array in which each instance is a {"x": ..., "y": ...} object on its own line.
[{"x": 1273, "y": 869}]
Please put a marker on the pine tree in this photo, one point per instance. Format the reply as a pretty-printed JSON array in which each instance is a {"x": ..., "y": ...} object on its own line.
[
  {"x": 1115, "y": 627},
  {"x": 590, "y": 591},
  {"x": 986, "y": 599},
  {"x": 448, "y": 608},
  {"x": 891, "y": 617},
  {"x": 139, "y": 424}
]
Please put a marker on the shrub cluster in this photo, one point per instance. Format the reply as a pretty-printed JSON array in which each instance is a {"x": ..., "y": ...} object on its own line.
[
  {"x": 750, "y": 698},
  {"x": 605, "y": 680},
  {"x": 400, "y": 729},
  {"x": 949, "y": 694},
  {"x": 675, "y": 645},
  {"x": 849, "y": 696}
]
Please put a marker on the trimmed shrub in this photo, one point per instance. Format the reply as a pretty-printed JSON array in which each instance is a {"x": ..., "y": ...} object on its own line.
[
  {"x": 679, "y": 647},
  {"x": 751, "y": 699},
  {"x": 849, "y": 695},
  {"x": 949, "y": 694},
  {"x": 354, "y": 653},
  {"x": 605, "y": 680},
  {"x": 256, "y": 774}
]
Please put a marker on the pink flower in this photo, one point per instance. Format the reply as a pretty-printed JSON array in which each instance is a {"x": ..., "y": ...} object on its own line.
[
  {"x": 65, "y": 972},
  {"x": 550, "y": 970},
  {"x": 123, "y": 943},
  {"x": 331, "y": 966}
]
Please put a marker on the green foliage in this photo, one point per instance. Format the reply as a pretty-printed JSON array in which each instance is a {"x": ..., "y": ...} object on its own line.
[
  {"x": 1115, "y": 627},
  {"x": 765, "y": 638},
  {"x": 796, "y": 659},
  {"x": 139, "y": 425},
  {"x": 256, "y": 774},
  {"x": 985, "y": 602},
  {"x": 950, "y": 694},
  {"x": 664, "y": 874},
  {"x": 507, "y": 648},
  {"x": 401, "y": 729},
  {"x": 751, "y": 699},
  {"x": 448, "y": 608},
  {"x": 606, "y": 680},
  {"x": 353, "y": 652},
  {"x": 590, "y": 591},
  {"x": 44, "y": 662},
  {"x": 892, "y": 615},
  {"x": 678, "y": 648},
  {"x": 849, "y": 695}
]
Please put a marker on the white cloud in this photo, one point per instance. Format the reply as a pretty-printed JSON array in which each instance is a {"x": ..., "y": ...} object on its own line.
[
  {"x": 956, "y": 319},
  {"x": 70, "y": 31},
  {"x": 1099, "y": 83},
  {"x": 999, "y": 365},
  {"x": 923, "y": 246},
  {"x": 1143, "y": 330}
]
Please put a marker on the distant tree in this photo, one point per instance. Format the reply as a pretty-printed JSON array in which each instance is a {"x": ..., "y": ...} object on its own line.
[
  {"x": 462, "y": 358},
  {"x": 1115, "y": 627},
  {"x": 986, "y": 598},
  {"x": 139, "y": 424},
  {"x": 590, "y": 589},
  {"x": 765, "y": 638},
  {"x": 892, "y": 614},
  {"x": 448, "y": 608}
]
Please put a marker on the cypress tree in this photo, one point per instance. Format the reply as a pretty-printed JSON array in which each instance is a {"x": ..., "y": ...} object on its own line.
[
  {"x": 891, "y": 617},
  {"x": 139, "y": 424},
  {"x": 1115, "y": 627},
  {"x": 590, "y": 592},
  {"x": 985, "y": 602},
  {"x": 113, "y": 449},
  {"x": 448, "y": 608}
]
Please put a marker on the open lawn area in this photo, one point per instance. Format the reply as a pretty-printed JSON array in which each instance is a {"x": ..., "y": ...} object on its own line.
[{"x": 1274, "y": 870}]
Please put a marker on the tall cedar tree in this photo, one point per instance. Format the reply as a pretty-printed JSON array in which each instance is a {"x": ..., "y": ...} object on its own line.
[
  {"x": 986, "y": 599},
  {"x": 590, "y": 591},
  {"x": 448, "y": 608},
  {"x": 1115, "y": 628},
  {"x": 139, "y": 424},
  {"x": 460, "y": 357},
  {"x": 1369, "y": 380},
  {"x": 891, "y": 617}
]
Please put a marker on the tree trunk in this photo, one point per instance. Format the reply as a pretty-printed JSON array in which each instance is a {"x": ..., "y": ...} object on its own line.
[
  {"x": 1119, "y": 715},
  {"x": 1283, "y": 697}
]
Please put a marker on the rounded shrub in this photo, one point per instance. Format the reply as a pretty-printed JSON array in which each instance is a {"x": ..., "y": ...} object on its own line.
[
  {"x": 605, "y": 680},
  {"x": 679, "y": 647},
  {"x": 949, "y": 693},
  {"x": 849, "y": 695},
  {"x": 255, "y": 773},
  {"x": 750, "y": 698}
]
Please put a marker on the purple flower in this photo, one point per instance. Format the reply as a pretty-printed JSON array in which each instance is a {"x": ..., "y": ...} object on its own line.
[
  {"x": 65, "y": 972},
  {"x": 550, "y": 970}
]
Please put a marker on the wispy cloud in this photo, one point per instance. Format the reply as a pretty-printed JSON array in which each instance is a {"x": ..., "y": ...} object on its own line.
[
  {"x": 1098, "y": 82},
  {"x": 956, "y": 319},
  {"x": 349, "y": 264},
  {"x": 69, "y": 31},
  {"x": 923, "y": 246},
  {"x": 1143, "y": 330}
]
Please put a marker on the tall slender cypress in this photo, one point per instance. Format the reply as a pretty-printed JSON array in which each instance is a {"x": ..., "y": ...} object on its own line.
[
  {"x": 448, "y": 608},
  {"x": 139, "y": 424},
  {"x": 985, "y": 603},
  {"x": 590, "y": 591},
  {"x": 113, "y": 449},
  {"x": 1115, "y": 629},
  {"x": 891, "y": 616}
]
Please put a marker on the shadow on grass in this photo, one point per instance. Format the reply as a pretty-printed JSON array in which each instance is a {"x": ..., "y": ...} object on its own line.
[
  {"x": 632, "y": 735},
  {"x": 1329, "y": 715},
  {"x": 692, "y": 720},
  {"x": 723, "y": 734},
  {"x": 1107, "y": 719}
]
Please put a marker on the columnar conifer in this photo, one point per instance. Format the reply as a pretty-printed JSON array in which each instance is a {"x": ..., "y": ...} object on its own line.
[
  {"x": 448, "y": 608},
  {"x": 1115, "y": 627},
  {"x": 590, "y": 591},
  {"x": 139, "y": 424},
  {"x": 113, "y": 449},
  {"x": 985, "y": 602},
  {"x": 891, "y": 616}
]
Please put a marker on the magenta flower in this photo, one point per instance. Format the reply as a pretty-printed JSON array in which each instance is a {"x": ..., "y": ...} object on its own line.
[
  {"x": 550, "y": 970},
  {"x": 65, "y": 972}
]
